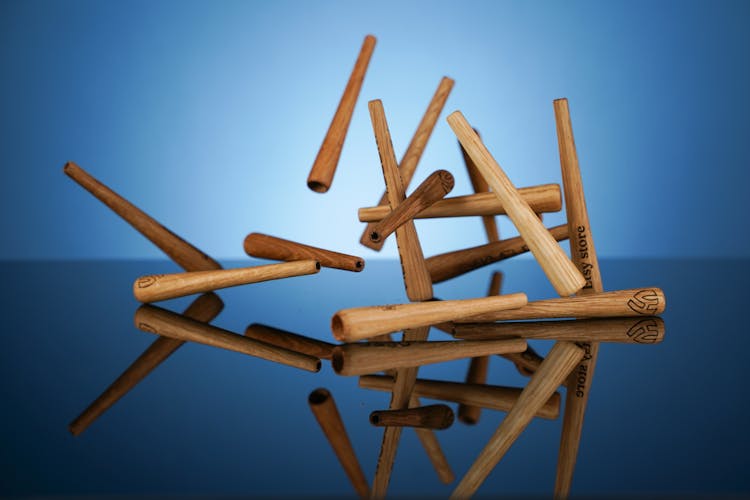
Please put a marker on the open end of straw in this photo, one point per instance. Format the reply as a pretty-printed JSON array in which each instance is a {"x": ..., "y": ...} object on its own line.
[
  {"x": 318, "y": 396},
  {"x": 337, "y": 361},
  {"x": 337, "y": 326},
  {"x": 317, "y": 265},
  {"x": 374, "y": 419},
  {"x": 375, "y": 236},
  {"x": 359, "y": 264},
  {"x": 316, "y": 186}
]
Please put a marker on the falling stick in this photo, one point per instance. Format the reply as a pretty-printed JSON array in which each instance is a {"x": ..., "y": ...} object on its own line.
[
  {"x": 480, "y": 186},
  {"x": 168, "y": 286},
  {"x": 203, "y": 309},
  {"x": 562, "y": 358},
  {"x": 451, "y": 264},
  {"x": 183, "y": 253},
  {"x": 564, "y": 276},
  {"x": 358, "y": 323},
  {"x": 288, "y": 340},
  {"x": 321, "y": 174},
  {"x": 324, "y": 408},
  {"x": 427, "y": 417},
  {"x": 270, "y": 247},
  {"x": 414, "y": 152},
  {"x": 432, "y": 447},
  {"x": 162, "y": 322},
  {"x": 435, "y": 187}
]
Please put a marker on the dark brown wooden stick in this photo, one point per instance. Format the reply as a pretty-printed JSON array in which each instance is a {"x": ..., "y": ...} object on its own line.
[
  {"x": 426, "y": 417},
  {"x": 270, "y": 247},
  {"x": 480, "y": 186},
  {"x": 288, "y": 340}
]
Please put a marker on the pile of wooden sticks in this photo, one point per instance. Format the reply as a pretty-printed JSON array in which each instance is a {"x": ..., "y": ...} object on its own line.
[{"x": 577, "y": 321}]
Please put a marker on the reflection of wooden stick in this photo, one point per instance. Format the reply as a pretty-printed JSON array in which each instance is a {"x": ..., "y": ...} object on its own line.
[
  {"x": 204, "y": 309},
  {"x": 359, "y": 323},
  {"x": 292, "y": 341},
  {"x": 414, "y": 152},
  {"x": 321, "y": 174},
  {"x": 562, "y": 358},
  {"x": 491, "y": 397},
  {"x": 435, "y": 187},
  {"x": 162, "y": 322},
  {"x": 372, "y": 357},
  {"x": 527, "y": 362},
  {"x": 432, "y": 447},
  {"x": 168, "y": 286},
  {"x": 270, "y": 247},
  {"x": 480, "y": 186},
  {"x": 183, "y": 253},
  {"x": 561, "y": 272},
  {"x": 324, "y": 408},
  {"x": 451, "y": 264},
  {"x": 426, "y": 417}
]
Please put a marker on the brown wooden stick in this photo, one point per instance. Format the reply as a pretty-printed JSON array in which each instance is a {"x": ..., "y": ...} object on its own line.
[
  {"x": 321, "y": 174},
  {"x": 435, "y": 187},
  {"x": 491, "y": 397},
  {"x": 157, "y": 287},
  {"x": 426, "y": 417},
  {"x": 414, "y": 152},
  {"x": 288, "y": 340},
  {"x": 480, "y": 186},
  {"x": 562, "y": 358},
  {"x": 156, "y": 320},
  {"x": 359, "y": 323},
  {"x": 451, "y": 264},
  {"x": 527, "y": 362},
  {"x": 433, "y": 449},
  {"x": 183, "y": 253},
  {"x": 564, "y": 276},
  {"x": 204, "y": 309},
  {"x": 324, "y": 408},
  {"x": 270, "y": 247}
]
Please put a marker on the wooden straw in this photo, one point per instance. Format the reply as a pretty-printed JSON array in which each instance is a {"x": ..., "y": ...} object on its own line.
[
  {"x": 433, "y": 449},
  {"x": 321, "y": 174},
  {"x": 564, "y": 276},
  {"x": 157, "y": 287},
  {"x": 491, "y": 397},
  {"x": 426, "y": 417},
  {"x": 291, "y": 341},
  {"x": 180, "y": 251},
  {"x": 204, "y": 309},
  {"x": 372, "y": 357},
  {"x": 527, "y": 362},
  {"x": 562, "y": 358},
  {"x": 435, "y": 187},
  {"x": 162, "y": 322},
  {"x": 324, "y": 408},
  {"x": 270, "y": 247},
  {"x": 359, "y": 323},
  {"x": 414, "y": 152},
  {"x": 480, "y": 186},
  {"x": 451, "y": 264}
]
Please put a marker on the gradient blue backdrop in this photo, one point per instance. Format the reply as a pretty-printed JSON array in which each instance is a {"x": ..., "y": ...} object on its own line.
[{"x": 209, "y": 115}]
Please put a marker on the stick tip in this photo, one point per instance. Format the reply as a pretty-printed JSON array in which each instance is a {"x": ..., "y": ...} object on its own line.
[
  {"x": 317, "y": 186},
  {"x": 337, "y": 327},
  {"x": 318, "y": 396},
  {"x": 69, "y": 167},
  {"x": 359, "y": 265},
  {"x": 337, "y": 360}
]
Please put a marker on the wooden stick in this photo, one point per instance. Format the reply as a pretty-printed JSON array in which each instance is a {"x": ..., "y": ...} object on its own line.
[
  {"x": 156, "y": 320},
  {"x": 204, "y": 309},
  {"x": 270, "y": 247},
  {"x": 451, "y": 264},
  {"x": 527, "y": 362},
  {"x": 372, "y": 357},
  {"x": 157, "y": 287},
  {"x": 359, "y": 323},
  {"x": 564, "y": 276},
  {"x": 414, "y": 152},
  {"x": 491, "y": 397},
  {"x": 321, "y": 174},
  {"x": 183, "y": 253},
  {"x": 435, "y": 187},
  {"x": 426, "y": 417},
  {"x": 324, "y": 408},
  {"x": 433, "y": 449},
  {"x": 480, "y": 186},
  {"x": 562, "y": 358},
  {"x": 291, "y": 341}
]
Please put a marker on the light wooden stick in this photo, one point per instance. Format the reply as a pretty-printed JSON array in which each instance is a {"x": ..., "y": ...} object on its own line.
[
  {"x": 480, "y": 186},
  {"x": 157, "y": 287},
  {"x": 321, "y": 174},
  {"x": 426, "y": 417},
  {"x": 288, "y": 340},
  {"x": 270, "y": 247},
  {"x": 180, "y": 251},
  {"x": 433, "y": 449},
  {"x": 491, "y": 397},
  {"x": 451, "y": 264},
  {"x": 414, "y": 152},
  {"x": 562, "y": 358},
  {"x": 349, "y": 325},
  {"x": 435, "y": 187},
  {"x": 204, "y": 309},
  {"x": 156, "y": 320},
  {"x": 564, "y": 276},
  {"x": 372, "y": 357},
  {"x": 324, "y": 408}
]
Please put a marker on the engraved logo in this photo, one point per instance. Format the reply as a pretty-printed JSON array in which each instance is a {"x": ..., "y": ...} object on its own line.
[
  {"x": 644, "y": 302},
  {"x": 645, "y": 331},
  {"x": 147, "y": 281}
]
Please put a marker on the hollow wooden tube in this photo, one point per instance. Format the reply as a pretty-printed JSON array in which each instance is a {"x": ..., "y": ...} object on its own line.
[
  {"x": 288, "y": 340},
  {"x": 564, "y": 276},
  {"x": 324, "y": 167},
  {"x": 157, "y": 287},
  {"x": 480, "y": 186},
  {"x": 359, "y": 323},
  {"x": 166, "y": 323},
  {"x": 327, "y": 414},
  {"x": 436, "y": 417},
  {"x": 271, "y": 247}
]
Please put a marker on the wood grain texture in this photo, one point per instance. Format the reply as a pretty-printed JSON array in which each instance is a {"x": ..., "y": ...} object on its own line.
[
  {"x": 480, "y": 186},
  {"x": 436, "y": 417},
  {"x": 324, "y": 167},
  {"x": 433, "y": 449},
  {"x": 564, "y": 276},
  {"x": 271, "y": 247},
  {"x": 288, "y": 340},
  {"x": 157, "y": 287}
]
